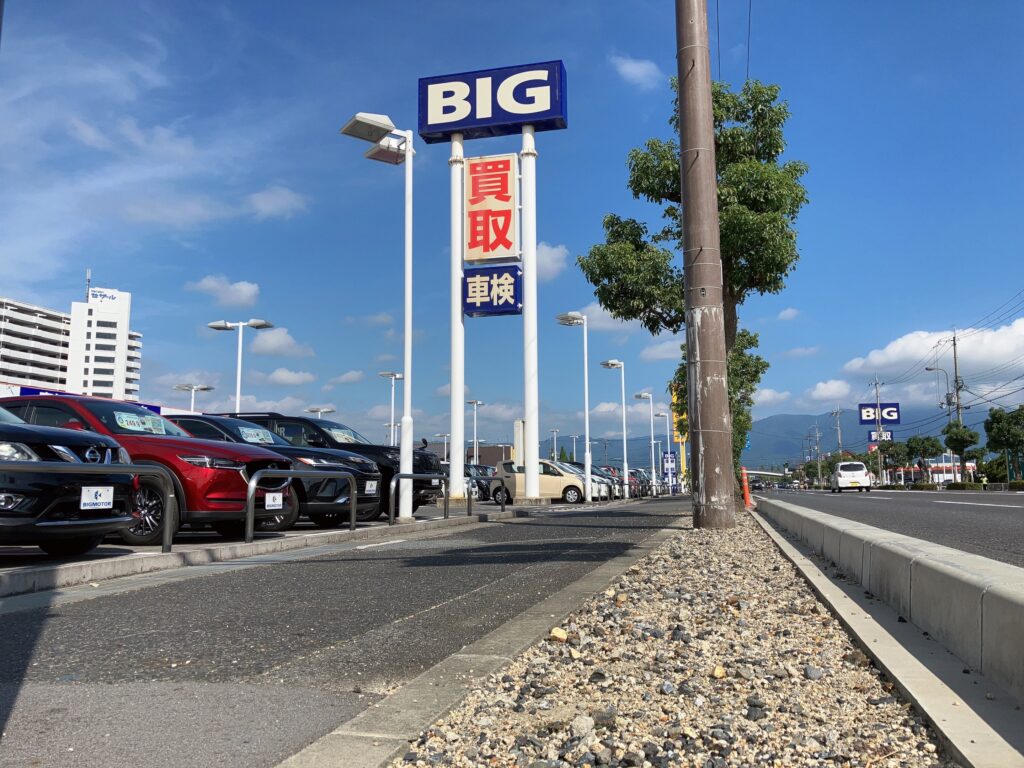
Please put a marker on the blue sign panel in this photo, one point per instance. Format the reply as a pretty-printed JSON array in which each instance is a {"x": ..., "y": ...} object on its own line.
[
  {"x": 492, "y": 291},
  {"x": 890, "y": 413},
  {"x": 493, "y": 102},
  {"x": 34, "y": 391}
]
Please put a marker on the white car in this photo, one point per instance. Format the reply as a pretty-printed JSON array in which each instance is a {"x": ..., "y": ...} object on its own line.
[{"x": 850, "y": 475}]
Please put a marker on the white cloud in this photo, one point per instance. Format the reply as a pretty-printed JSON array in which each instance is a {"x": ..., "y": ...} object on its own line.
[
  {"x": 88, "y": 134},
  {"x": 664, "y": 350},
  {"x": 643, "y": 73},
  {"x": 598, "y": 319},
  {"x": 277, "y": 341},
  {"x": 348, "y": 377},
  {"x": 789, "y": 313},
  {"x": 637, "y": 412},
  {"x": 194, "y": 376},
  {"x": 802, "y": 351},
  {"x": 500, "y": 412},
  {"x": 226, "y": 404},
  {"x": 275, "y": 202},
  {"x": 289, "y": 378},
  {"x": 228, "y": 294},
  {"x": 385, "y": 357},
  {"x": 551, "y": 260},
  {"x": 769, "y": 397},
  {"x": 833, "y": 389}
]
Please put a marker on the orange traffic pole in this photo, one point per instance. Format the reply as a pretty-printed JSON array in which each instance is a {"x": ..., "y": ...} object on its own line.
[{"x": 747, "y": 501}]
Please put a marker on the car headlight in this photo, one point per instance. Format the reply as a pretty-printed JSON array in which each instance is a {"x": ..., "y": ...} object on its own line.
[
  {"x": 123, "y": 457},
  {"x": 17, "y": 452},
  {"x": 320, "y": 461},
  {"x": 213, "y": 462}
]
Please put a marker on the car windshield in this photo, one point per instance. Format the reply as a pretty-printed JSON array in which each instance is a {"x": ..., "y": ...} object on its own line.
[
  {"x": 248, "y": 432},
  {"x": 568, "y": 468},
  {"x": 854, "y": 467},
  {"x": 341, "y": 433},
  {"x": 128, "y": 419},
  {"x": 6, "y": 417}
]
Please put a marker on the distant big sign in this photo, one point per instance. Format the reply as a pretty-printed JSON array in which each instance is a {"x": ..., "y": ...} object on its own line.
[
  {"x": 869, "y": 413},
  {"x": 492, "y": 102}
]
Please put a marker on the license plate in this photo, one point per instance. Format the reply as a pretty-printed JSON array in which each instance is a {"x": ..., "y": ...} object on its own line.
[
  {"x": 97, "y": 497},
  {"x": 854, "y": 482},
  {"x": 435, "y": 481},
  {"x": 275, "y": 501},
  {"x": 371, "y": 487}
]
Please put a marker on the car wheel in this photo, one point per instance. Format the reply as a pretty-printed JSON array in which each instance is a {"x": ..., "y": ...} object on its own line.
[
  {"x": 77, "y": 545},
  {"x": 230, "y": 529},
  {"x": 867, "y": 490},
  {"x": 283, "y": 521},
  {"x": 572, "y": 495},
  {"x": 839, "y": 490},
  {"x": 501, "y": 496},
  {"x": 148, "y": 502}
]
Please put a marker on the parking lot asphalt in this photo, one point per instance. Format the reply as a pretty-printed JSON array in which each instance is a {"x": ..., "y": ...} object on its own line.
[
  {"x": 246, "y": 667},
  {"x": 989, "y": 523}
]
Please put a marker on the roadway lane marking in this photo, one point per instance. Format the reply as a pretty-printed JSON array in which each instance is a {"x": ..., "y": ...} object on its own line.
[
  {"x": 980, "y": 504},
  {"x": 381, "y": 543}
]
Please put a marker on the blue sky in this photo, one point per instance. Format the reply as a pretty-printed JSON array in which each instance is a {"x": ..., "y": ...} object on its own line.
[{"x": 188, "y": 152}]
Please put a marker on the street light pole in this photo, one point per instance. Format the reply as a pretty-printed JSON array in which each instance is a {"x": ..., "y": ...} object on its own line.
[
  {"x": 669, "y": 471},
  {"x": 444, "y": 436},
  {"x": 650, "y": 401},
  {"x": 193, "y": 388},
  {"x": 476, "y": 443},
  {"x": 611, "y": 364},
  {"x": 580, "y": 319},
  {"x": 554, "y": 443},
  {"x": 224, "y": 325},
  {"x": 394, "y": 376}
]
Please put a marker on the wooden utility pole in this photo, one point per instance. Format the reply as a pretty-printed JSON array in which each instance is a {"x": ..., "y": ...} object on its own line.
[{"x": 711, "y": 463}]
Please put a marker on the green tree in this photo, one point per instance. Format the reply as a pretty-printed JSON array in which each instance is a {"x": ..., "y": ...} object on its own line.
[
  {"x": 1005, "y": 432},
  {"x": 759, "y": 198},
  {"x": 745, "y": 371},
  {"x": 924, "y": 446},
  {"x": 896, "y": 454},
  {"x": 958, "y": 439},
  {"x": 562, "y": 455}
]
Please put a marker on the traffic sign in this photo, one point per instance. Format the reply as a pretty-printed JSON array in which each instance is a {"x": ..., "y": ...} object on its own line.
[
  {"x": 668, "y": 460},
  {"x": 493, "y": 102},
  {"x": 870, "y": 414},
  {"x": 873, "y": 436},
  {"x": 492, "y": 291}
]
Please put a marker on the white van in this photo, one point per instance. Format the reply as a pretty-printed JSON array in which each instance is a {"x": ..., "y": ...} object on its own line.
[{"x": 851, "y": 474}]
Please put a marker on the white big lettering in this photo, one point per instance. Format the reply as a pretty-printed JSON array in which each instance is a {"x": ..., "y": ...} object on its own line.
[
  {"x": 538, "y": 97},
  {"x": 890, "y": 413},
  {"x": 483, "y": 98},
  {"x": 447, "y": 102}
]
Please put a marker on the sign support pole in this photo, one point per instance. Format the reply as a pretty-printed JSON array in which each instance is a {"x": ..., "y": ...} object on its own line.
[
  {"x": 457, "y": 455},
  {"x": 405, "y": 455},
  {"x": 531, "y": 445}
]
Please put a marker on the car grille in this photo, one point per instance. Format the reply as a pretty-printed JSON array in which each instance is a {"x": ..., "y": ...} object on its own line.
[
  {"x": 426, "y": 463},
  {"x": 270, "y": 483},
  {"x": 86, "y": 454}
]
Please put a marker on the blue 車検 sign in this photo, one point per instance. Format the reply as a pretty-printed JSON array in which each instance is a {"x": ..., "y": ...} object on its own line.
[
  {"x": 885, "y": 413},
  {"x": 492, "y": 291},
  {"x": 492, "y": 102}
]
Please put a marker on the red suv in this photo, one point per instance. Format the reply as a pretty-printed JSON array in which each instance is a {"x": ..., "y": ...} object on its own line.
[{"x": 212, "y": 476}]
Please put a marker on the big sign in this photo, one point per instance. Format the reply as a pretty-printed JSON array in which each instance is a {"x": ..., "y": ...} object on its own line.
[
  {"x": 492, "y": 102},
  {"x": 492, "y": 291},
  {"x": 890, "y": 413},
  {"x": 492, "y": 209}
]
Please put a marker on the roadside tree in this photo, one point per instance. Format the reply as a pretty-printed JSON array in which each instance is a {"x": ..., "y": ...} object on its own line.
[
  {"x": 1005, "y": 432},
  {"x": 958, "y": 439}
]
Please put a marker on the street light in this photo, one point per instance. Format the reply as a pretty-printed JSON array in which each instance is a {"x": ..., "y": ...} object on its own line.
[
  {"x": 444, "y": 436},
  {"x": 572, "y": 319},
  {"x": 320, "y": 410},
  {"x": 947, "y": 405},
  {"x": 554, "y": 443},
  {"x": 611, "y": 364},
  {"x": 654, "y": 469},
  {"x": 668, "y": 448},
  {"x": 390, "y": 427},
  {"x": 394, "y": 146},
  {"x": 574, "y": 439},
  {"x": 476, "y": 443},
  {"x": 223, "y": 325},
  {"x": 394, "y": 377},
  {"x": 193, "y": 388}
]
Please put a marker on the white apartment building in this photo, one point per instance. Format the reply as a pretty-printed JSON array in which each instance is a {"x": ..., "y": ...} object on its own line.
[{"x": 91, "y": 351}]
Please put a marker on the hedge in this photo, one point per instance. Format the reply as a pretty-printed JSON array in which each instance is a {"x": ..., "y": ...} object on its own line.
[
  {"x": 892, "y": 487},
  {"x": 964, "y": 487},
  {"x": 924, "y": 487},
  {"x": 1017, "y": 485}
]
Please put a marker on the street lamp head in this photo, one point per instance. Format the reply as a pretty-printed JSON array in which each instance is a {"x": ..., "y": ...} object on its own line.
[
  {"x": 320, "y": 409},
  {"x": 475, "y": 402},
  {"x": 220, "y": 325},
  {"x": 442, "y": 434},
  {"x": 255, "y": 322},
  {"x": 642, "y": 395},
  {"x": 390, "y": 150},
  {"x": 613, "y": 363},
  {"x": 194, "y": 387},
  {"x": 570, "y": 318},
  {"x": 661, "y": 415},
  {"x": 390, "y": 375},
  {"x": 368, "y": 127}
]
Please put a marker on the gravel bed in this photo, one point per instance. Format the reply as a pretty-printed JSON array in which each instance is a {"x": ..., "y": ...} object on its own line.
[{"x": 710, "y": 652}]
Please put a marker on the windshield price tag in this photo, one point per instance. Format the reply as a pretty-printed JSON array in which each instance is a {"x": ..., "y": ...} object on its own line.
[{"x": 275, "y": 501}]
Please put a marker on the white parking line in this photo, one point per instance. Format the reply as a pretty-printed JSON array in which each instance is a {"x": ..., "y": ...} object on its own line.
[
  {"x": 980, "y": 504},
  {"x": 381, "y": 543}
]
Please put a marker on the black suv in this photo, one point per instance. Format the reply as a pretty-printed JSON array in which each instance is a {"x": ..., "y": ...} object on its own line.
[
  {"x": 325, "y": 502},
  {"x": 323, "y": 433},
  {"x": 63, "y": 514}
]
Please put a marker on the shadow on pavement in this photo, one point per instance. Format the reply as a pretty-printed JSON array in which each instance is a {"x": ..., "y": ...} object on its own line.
[{"x": 16, "y": 649}]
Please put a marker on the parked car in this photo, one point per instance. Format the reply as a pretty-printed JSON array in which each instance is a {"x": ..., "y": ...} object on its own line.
[
  {"x": 472, "y": 486},
  {"x": 851, "y": 474},
  {"x": 324, "y": 502},
  {"x": 600, "y": 485},
  {"x": 323, "y": 433},
  {"x": 555, "y": 483},
  {"x": 62, "y": 514},
  {"x": 211, "y": 477},
  {"x": 481, "y": 472}
]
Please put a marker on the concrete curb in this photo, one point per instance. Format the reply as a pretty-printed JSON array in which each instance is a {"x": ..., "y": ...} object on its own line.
[
  {"x": 930, "y": 678},
  {"x": 43, "y": 577},
  {"x": 382, "y": 733},
  {"x": 971, "y": 604}
]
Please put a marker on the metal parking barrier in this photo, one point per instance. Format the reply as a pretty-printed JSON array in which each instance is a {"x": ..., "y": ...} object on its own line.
[
  {"x": 414, "y": 476},
  {"x": 162, "y": 474},
  {"x": 302, "y": 474},
  {"x": 489, "y": 479}
]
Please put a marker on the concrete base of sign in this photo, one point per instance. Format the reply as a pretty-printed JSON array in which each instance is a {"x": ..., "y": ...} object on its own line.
[{"x": 405, "y": 520}]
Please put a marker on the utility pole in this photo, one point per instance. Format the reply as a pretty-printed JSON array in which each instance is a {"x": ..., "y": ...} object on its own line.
[
  {"x": 817, "y": 451},
  {"x": 878, "y": 432},
  {"x": 958, "y": 383},
  {"x": 839, "y": 431},
  {"x": 707, "y": 375}
]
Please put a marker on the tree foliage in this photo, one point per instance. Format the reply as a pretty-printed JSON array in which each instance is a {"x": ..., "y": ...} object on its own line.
[
  {"x": 896, "y": 453},
  {"x": 958, "y": 439},
  {"x": 759, "y": 198},
  {"x": 1005, "y": 430},
  {"x": 924, "y": 446}
]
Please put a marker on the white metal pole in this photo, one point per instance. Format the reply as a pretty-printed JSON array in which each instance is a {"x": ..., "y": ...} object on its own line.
[
  {"x": 625, "y": 449},
  {"x": 476, "y": 444},
  {"x": 531, "y": 438},
  {"x": 654, "y": 466},
  {"x": 405, "y": 460},
  {"x": 192, "y": 402},
  {"x": 392, "y": 410},
  {"x": 668, "y": 449},
  {"x": 445, "y": 450},
  {"x": 588, "y": 487},
  {"x": 457, "y": 405},
  {"x": 554, "y": 445},
  {"x": 238, "y": 372},
  {"x": 574, "y": 447}
]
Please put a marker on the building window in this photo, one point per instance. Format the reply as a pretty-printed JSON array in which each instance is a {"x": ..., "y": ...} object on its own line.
[
  {"x": 104, "y": 347},
  {"x": 102, "y": 359},
  {"x": 90, "y": 313},
  {"x": 87, "y": 347},
  {"x": 86, "y": 371},
  {"x": 106, "y": 324},
  {"x": 102, "y": 371},
  {"x": 87, "y": 359},
  {"x": 106, "y": 335},
  {"x": 104, "y": 384},
  {"x": 85, "y": 383}
]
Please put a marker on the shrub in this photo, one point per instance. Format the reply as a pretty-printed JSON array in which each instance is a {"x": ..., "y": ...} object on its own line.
[
  {"x": 891, "y": 487},
  {"x": 963, "y": 487},
  {"x": 924, "y": 487},
  {"x": 1016, "y": 485}
]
